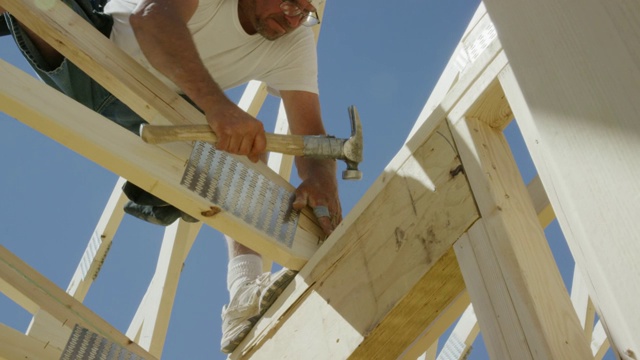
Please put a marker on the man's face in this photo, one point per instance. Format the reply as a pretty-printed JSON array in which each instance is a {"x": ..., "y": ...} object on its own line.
[{"x": 271, "y": 22}]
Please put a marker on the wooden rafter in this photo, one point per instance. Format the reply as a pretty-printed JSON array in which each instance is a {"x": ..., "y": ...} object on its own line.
[
  {"x": 62, "y": 306},
  {"x": 16, "y": 345},
  {"x": 363, "y": 292},
  {"x": 336, "y": 301},
  {"x": 157, "y": 104},
  {"x": 574, "y": 89}
]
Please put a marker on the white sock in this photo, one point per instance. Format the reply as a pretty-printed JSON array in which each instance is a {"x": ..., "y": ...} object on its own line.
[{"x": 242, "y": 269}]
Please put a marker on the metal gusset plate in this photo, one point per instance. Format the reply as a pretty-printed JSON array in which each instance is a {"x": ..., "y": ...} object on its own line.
[
  {"x": 242, "y": 191},
  {"x": 87, "y": 345}
]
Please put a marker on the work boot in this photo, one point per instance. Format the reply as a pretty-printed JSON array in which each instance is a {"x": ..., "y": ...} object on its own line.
[
  {"x": 159, "y": 215},
  {"x": 150, "y": 208},
  {"x": 248, "y": 305},
  {"x": 4, "y": 27}
]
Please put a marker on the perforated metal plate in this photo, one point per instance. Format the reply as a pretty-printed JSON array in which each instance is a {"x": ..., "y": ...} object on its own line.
[
  {"x": 87, "y": 345},
  {"x": 242, "y": 191}
]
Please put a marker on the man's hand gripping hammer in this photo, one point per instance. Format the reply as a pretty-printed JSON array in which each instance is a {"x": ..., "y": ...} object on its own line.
[{"x": 315, "y": 146}]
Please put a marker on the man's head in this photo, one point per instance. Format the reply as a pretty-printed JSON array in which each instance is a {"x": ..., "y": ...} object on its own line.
[{"x": 275, "y": 18}]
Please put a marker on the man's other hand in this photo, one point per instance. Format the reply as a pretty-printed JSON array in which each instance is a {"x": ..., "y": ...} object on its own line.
[{"x": 320, "y": 192}]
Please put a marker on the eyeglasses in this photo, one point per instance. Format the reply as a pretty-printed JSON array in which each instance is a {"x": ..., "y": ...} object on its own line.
[{"x": 308, "y": 18}]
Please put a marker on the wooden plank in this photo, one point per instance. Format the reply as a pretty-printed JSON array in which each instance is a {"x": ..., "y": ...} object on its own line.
[
  {"x": 18, "y": 297},
  {"x": 541, "y": 202},
  {"x": 101, "y": 59},
  {"x": 488, "y": 65},
  {"x": 51, "y": 331},
  {"x": 429, "y": 336},
  {"x": 498, "y": 343},
  {"x": 156, "y": 103},
  {"x": 148, "y": 166},
  {"x": 513, "y": 259},
  {"x": 464, "y": 327},
  {"x": 458, "y": 345},
  {"x": 281, "y": 163},
  {"x": 253, "y": 97},
  {"x": 151, "y": 320},
  {"x": 431, "y": 352},
  {"x": 574, "y": 88},
  {"x": 584, "y": 306},
  {"x": 99, "y": 244},
  {"x": 16, "y": 345},
  {"x": 599, "y": 341},
  {"x": 362, "y": 294},
  {"x": 58, "y": 303},
  {"x": 45, "y": 327}
]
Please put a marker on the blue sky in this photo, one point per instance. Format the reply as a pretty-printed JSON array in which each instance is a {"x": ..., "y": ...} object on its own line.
[{"x": 385, "y": 59}]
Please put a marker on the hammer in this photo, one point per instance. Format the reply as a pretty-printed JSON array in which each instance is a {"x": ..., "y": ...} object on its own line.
[{"x": 314, "y": 146}]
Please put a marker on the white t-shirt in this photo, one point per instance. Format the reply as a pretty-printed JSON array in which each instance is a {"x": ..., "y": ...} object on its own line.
[{"x": 231, "y": 55}]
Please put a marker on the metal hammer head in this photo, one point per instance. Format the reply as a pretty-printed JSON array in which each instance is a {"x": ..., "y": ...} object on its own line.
[{"x": 352, "y": 148}]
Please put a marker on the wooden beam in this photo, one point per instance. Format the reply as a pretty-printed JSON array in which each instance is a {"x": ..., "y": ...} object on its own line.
[
  {"x": 541, "y": 202},
  {"x": 583, "y": 305},
  {"x": 151, "y": 320},
  {"x": 148, "y": 166},
  {"x": 458, "y": 345},
  {"x": 506, "y": 261},
  {"x": 574, "y": 90},
  {"x": 599, "y": 341},
  {"x": 156, "y": 103},
  {"x": 253, "y": 97},
  {"x": 48, "y": 329},
  {"x": 101, "y": 59},
  {"x": 431, "y": 352},
  {"x": 99, "y": 244},
  {"x": 429, "y": 336},
  {"x": 303, "y": 293},
  {"x": 58, "y": 303},
  {"x": 281, "y": 163},
  {"x": 466, "y": 327},
  {"x": 501, "y": 344},
  {"x": 16, "y": 345},
  {"x": 17, "y": 297},
  {"x": 363, "y": 293},
  {"x": 45, "y": 327}
]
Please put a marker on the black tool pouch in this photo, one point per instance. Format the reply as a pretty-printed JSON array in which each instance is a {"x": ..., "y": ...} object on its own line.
[
  {"x": 4, "y": 27},
  {"x": 141, "y": 197}
]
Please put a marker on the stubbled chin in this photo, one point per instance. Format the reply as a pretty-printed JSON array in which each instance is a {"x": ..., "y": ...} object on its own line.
[{"x": 271, "y": 29}]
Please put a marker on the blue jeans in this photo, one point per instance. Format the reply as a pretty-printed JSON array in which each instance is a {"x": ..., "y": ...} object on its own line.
[
  {"x": 75, "y": 83},
  {"x": 72, "y": 81}
]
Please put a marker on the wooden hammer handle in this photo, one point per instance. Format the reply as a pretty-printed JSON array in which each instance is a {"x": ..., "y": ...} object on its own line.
[{"x": 159, "y": 134}]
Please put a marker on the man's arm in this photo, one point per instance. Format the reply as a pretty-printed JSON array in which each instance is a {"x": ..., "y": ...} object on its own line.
[
  {"x": 319, "y": 185},
  {"x": 160, "y": 26}
]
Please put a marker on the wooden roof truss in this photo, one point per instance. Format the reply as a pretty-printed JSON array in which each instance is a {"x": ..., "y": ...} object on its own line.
[{"x": 449, "y": 222}]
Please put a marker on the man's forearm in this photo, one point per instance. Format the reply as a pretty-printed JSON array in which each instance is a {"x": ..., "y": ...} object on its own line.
[{"x": 310, "y": 167}]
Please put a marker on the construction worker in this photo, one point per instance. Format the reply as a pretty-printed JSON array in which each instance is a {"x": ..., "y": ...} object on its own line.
[{"x": 200, "y": 48}]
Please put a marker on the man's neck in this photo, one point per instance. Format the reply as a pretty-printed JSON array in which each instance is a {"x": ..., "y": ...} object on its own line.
[{"x": 246, "y": 9}]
